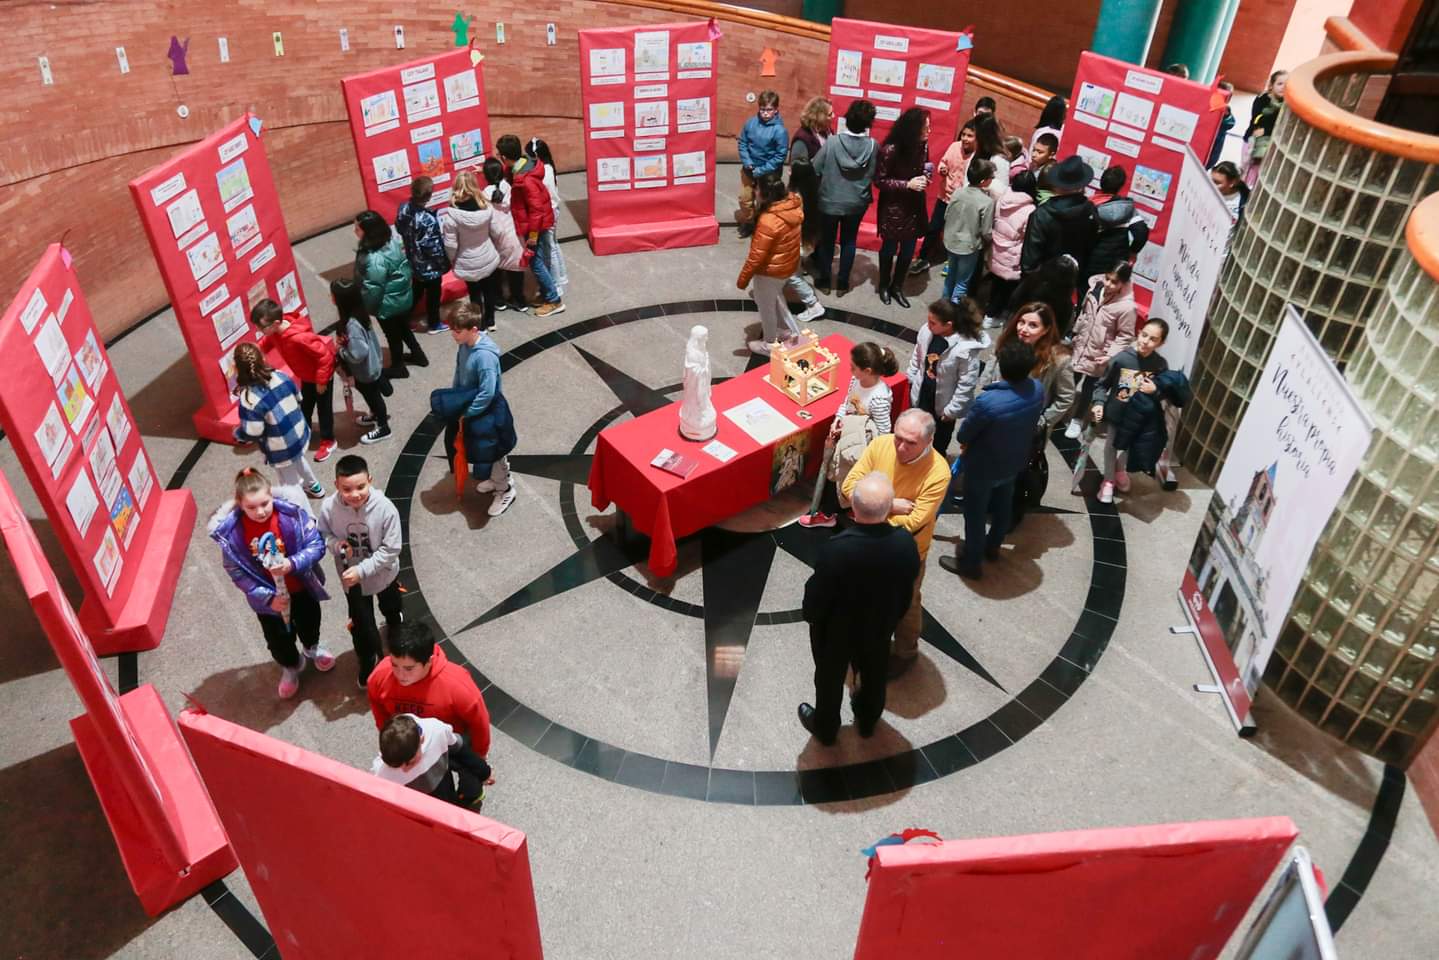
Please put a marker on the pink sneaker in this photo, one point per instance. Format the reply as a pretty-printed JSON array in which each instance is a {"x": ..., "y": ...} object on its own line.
[
  {"x": 1106, "y": 492},
  {"x": 818, "y": 520},
  {"x": 322, "y": 658},
  {"x": 290, "y": 680},
  {"x": 1121, "y": 481}
]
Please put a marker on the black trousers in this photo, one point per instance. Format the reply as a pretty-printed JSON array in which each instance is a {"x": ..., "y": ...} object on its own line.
[
  {"x": 399, "y": 337},
  {"x": 513, "y": 284},
  {"x": 486, "y": 293},
  {"x": 943, "y": 431},
  {"x": 304, "y": 626},
  {"x": 375, "y": 399},
  {"x": 430, "y": 290},
  {"x": 892, "y": 273},
  {"x": 832, "y": 658},
  {"x": 364, "y": 632},
  {"x": 1000, "y": 290},
  {"x": 311, "y": 398}
]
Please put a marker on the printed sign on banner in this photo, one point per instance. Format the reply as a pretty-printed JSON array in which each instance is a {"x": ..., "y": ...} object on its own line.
[
  {"x": 77, "y": 446},
  {"x": 897, "y": 68},
  {"x": 1142, "y": 120},
  {"x": 213, "y": 219},
  {"x": 648, "y": 96},
  {"x": 427, "y": 118},
  {"x": 1294, "y": 453},
  {"x": 1199, "y": 230}
]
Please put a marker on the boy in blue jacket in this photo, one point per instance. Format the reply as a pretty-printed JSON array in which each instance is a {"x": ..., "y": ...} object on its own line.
[
  {"x": 763, "y": 144},
  {"x": 477, "y": 367}
]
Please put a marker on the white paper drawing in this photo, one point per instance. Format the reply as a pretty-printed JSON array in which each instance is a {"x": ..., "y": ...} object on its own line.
[
  {"x": 230, "y": 323},
  {"x": 141, "y": 478},
  {"x": 244, "y": 230},
  {"x": 692, "y": 110},
  {"x": 90, "y": 360},
  {"x": 1150, "y": 182},
  {"x": 422, "y": 101},
  {"x": 612, "y": 169},
  {"x": 34, "y": 310},
  {"x": 390, "y": 167},
  {"x": 886, "y": 73},
  {"x": 462, "y": 90},
  {"x": 696, "y": 56},
  {"x": 1098, "y": 160},
  {"x": 1095, "y": 99},
  {"x": 935, "y": 79},
  {"x": 608, "y": 62},
  {"x": 107, "y": 560},
  {"x": 1176, "y": 123},
  {"x": 651, "y": 168},
  {"x": 117, "y": 423},
  {"x": 846, "y": 68},
  {"x": 205, "y": 256},
  {"x": 652, "y": 51},
  {"x": 233, "y": 181},
  {"x": 608, "y": 114},
  {"x": 185, "y": 213},
  {"x": 690, "y": 164},
  {"x": 380, "y": 108},
  {"x": 81, "y": 501},
  {"x": 51, "y": 436},
  {"x": 1132, "y": 111},
  {"x": 54, "y": 351},
  {"x": 652, "y": 115},
  {"x": 288, "y": 291}
]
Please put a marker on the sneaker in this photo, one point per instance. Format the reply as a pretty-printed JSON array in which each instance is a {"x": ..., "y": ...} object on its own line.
[
  {"x": 366, "y": 419},
  {"x": 550, "y": 309},
  {"x": 314, "y": 491},
  {"x": 818, "y": 520},
  {"x": 502, "y": 305},
  {"x": 520, "y": 307},
  {"x": 486, "y": 486},
  {"x": 1073, "y": 430},
  {"x": 376, "y": 435},
  {"x": 327, "y": 447},
  {"x": 1106, "y": 492},
  {"x": 322, "y": 658},
  {"x": 441, "y": 327},
  {"x": 1121, "y": 481},
  {"x": 814, "y": 312},
  {"x": 944, "y": 270},
  {"x": 918, "y": 267},
  {"x": 503, "y": 499},
  {"x": 290, "y": 680}
]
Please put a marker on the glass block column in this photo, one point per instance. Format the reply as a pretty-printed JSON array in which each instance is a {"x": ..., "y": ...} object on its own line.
[
  {"x": 1323, "y": 230},
  {"x": 1359, "y": 654}
]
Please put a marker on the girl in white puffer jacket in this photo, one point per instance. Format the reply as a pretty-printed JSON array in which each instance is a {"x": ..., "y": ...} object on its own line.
[
  {"x": 1011, "y": 220},
  {"x": 476, "y": 242}
]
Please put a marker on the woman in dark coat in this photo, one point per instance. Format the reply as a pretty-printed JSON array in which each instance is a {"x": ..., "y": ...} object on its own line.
[
  {"x": 815, "y": 126},
  {"x": 901, "y": 217}
]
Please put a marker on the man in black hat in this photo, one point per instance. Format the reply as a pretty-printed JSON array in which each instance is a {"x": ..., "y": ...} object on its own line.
[{"x": 1066, "y": 222}]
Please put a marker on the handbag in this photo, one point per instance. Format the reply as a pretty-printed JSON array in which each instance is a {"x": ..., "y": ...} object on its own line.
[
  {"x": 855, "y": 433},
  {"x": 1033, "y": 480}
]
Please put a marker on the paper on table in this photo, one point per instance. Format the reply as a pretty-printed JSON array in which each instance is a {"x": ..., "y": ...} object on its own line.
[
  {"x": 719, "y": 451},
  {"x": 762, "y": 422}
]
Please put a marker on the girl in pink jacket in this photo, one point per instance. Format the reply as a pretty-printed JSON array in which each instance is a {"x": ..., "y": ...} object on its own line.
[
  {"x": 1105, "y": 327},
  {"x": 1011, "y": 219}
]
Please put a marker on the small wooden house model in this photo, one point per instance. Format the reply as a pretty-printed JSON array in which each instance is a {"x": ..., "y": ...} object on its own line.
[{"x": 804, "y": 371}]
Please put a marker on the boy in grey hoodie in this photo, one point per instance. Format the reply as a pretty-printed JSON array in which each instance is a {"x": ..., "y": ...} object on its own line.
[
  {"x": 362, "y": 528},
  {"x": 845, "y": 166}
]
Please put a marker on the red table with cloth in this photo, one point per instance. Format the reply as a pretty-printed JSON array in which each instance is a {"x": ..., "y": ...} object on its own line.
[{"x": 665, "y": 506}]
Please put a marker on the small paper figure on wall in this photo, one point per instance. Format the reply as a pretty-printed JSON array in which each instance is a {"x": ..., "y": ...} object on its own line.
[
  {"x": 124, "y": 60},
  {"x": 461, "y": 27},
  {"x": 399, "y": 37},
  {"x": 279, "y": 43},
  {"x": 224, "y": 49},
  {"x": 767, "y": 62},
  {"x": 475, "y": 56},
  {"x": 550, "y": 34},
  {"x": 344, "y": 40},
  {"x": 177, "y": 54},
  {"x": 499, "y": 32},
  {"x": 714, "y": 30}
]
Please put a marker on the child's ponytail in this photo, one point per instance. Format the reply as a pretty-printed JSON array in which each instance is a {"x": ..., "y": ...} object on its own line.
[{"x": 248, "y": 481}]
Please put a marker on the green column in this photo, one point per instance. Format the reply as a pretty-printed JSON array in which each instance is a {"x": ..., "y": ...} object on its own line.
[
  {"x": 1193, "y": 35},
  {"x": 1212, "y": 71},
  {"x": 1125, "y": 29},
  {"x": 823, "y": 11}
]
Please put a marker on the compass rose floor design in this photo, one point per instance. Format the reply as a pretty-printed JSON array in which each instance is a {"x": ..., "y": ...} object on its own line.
[{"x": 645, "y": 733}]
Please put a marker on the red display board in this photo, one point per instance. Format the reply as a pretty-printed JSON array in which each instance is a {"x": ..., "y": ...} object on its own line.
[
  {"x": 648, "y": 98},
  {"x": 169, "y": 836},
  {"x": 427, "y": 117},
  {"x": 1173, "y": 890},
  {"x": 896, "y": 68},
  {"x": 373, "y": 869},
  {"x": 73, "y": 433},
  {"x": 1142, "y": 120},
  {"x": 214, "y": 223}
]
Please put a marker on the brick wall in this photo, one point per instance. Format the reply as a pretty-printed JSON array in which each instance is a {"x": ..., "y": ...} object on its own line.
[{"x": 70, "y": 149}]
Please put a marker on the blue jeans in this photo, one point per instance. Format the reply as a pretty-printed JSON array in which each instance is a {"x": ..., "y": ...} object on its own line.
[
  {"x": 994, "y": 501},
  {"x": 848, "y": 227},
  {"x": 540, "y": 264},
  {"x": 961, "y": 271}
]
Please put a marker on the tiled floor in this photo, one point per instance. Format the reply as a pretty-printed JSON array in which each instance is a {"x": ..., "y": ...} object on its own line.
[{"x": 646, "y": 739}]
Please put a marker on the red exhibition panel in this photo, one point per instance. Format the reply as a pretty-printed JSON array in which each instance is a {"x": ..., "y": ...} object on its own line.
[
  {"x": 72, "y": 430},
  {"x": 169, "y": 836},
  {"x": 345, "y": 864},
  {"x": 1173, "y": 890},
  {"x": 896, "y": 68},
  {"x": 427, "y": 117},
  {"x": 1140, "y": 119},
  {"x": 648, "y": 101},
  {"x": 666, "y": 507},
  {"x": 214, "y": 223}
]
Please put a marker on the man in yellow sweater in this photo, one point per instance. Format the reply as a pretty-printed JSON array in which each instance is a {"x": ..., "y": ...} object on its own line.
[{"x": 920, "y": 476}]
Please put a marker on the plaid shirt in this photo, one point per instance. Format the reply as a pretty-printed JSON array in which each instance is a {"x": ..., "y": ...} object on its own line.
[{"x": 271, "y": 414}]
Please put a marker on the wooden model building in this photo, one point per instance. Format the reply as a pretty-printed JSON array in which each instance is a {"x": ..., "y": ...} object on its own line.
[{"x": 803, "y": 370}]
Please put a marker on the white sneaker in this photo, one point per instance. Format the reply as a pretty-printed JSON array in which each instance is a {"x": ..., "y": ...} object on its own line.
[
  {"x": 503, "y": 499},
  {"x": 814, "y": 312},
  {"x": 290, "y": 680},
  {"x": 1106, "y": 492},
  {"x": 1073, "y": 430},
  {"x": 322, "y": 658}
]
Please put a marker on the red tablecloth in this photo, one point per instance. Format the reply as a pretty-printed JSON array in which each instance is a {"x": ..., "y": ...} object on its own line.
[{"x": 667, "y": 507}]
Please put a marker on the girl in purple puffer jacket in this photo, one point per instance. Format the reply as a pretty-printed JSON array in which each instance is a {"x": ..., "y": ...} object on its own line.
[{"x": 262, "y": 537}]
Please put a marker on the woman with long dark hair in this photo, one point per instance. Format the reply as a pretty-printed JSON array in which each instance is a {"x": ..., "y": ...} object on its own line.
[
  {"x": 1051, "y": 120},
  {"x": 989, "y": 145},
  {"x": 383, "y": 272},
  {"x": 902, "y": 178}
]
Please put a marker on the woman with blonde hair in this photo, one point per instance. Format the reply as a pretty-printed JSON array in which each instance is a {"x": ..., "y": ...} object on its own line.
[
  {"x": 476, "y": 243},
  {"x": 815, "y": 125}
]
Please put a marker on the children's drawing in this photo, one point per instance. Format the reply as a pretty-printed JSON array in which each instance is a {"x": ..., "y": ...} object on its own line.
[
  {"x": 1133, "y": 111},
  {"x": 234, "y": 183},
  {"x": 461, "y": 90},
  {"x": 696, "y": 56},
  {"x": 935, "y": 79},
  {"x": 90, "y": 360},
  {"x": 610, "y": 114},
  {"x": 467, "y": 146},
  {"x": 650, "y": 168},
  {"x": 390, "y": 167},
  {"x": 1095, "y": 99},
  {"x": 380, "y": 108},
  {"x": 846, "y": 68},
  {"x": 1151, "y": 182},
  {"x": 422, "y": 100},
  {"x": 244, "y": 230},
  {"x": 205, "y": 256}
]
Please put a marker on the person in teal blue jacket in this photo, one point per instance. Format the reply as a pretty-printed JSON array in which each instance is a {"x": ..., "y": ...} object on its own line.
[
  {"x": 476, "y": 404},
  {"x": 763, "y": 144}
]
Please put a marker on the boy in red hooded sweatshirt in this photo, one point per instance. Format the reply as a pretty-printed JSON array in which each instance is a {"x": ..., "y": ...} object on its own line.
[
  {"x": 534, "y": 215},
  {"x": 310, "y": 357},
  {"x": 418, "y": 678}
]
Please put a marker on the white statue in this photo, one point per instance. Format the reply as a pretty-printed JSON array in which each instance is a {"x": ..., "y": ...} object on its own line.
[{"x": 697, "y": 413}]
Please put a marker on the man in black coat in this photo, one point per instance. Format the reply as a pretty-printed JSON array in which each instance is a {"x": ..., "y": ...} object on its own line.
[
  {"x": 1066, "y": 222},
  {"x": 861, "y": 587}
]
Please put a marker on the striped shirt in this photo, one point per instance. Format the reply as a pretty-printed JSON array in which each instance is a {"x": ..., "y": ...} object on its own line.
[
  {"x": 875, "y": 401},
  {"x": 271, "y": 414}
]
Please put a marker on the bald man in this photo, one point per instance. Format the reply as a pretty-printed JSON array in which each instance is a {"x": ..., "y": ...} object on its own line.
[{"x": 861, "y": 587}]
